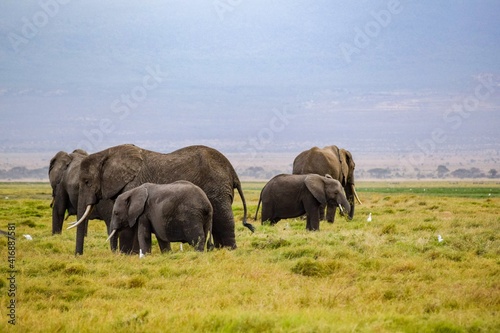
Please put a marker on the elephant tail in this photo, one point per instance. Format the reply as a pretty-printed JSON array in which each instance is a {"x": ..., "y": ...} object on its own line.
[
  {"x": 258, "y": 205},
  {"x": 245, "y": 223}
]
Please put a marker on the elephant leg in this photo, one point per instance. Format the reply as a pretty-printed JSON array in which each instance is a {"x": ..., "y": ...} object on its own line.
[
  {"x": 164, "y": 245},
  {"x": 135, "y": 241},
  {"x": 330, "y": 213},
  {"x": 313, "y": 220},
  {"x": 195, "y": 236},
  {"x": 274, "y": 221},
  {"x": 128, "y": 241},
  {"x": 223, "y": 222},
  {"x": 312, "y": 208},
  {"x": 144, "y": 236},
  {"x": 322, "y": 212},
  {"x": 268, "y": 214}
]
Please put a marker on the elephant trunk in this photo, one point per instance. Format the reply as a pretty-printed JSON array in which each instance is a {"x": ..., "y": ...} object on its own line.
[
  {"x": 81, "y": 231},
  {"x": 85, "y": 215},
  {"x": 58, "y": 211}
]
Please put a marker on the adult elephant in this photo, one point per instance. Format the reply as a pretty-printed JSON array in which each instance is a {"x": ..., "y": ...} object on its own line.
[
  {"x": 335, "y": 162},
  {"x": 108, "y": 173},
  {"x": 64, "y": 174}
]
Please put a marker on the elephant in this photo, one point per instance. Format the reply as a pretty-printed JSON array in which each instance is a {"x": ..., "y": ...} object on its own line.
[
  {"x": 64, "y": 173},
  {"x": 175, "y": 212},
  {"x": 110, "y": 172},
  {"x": 332, "y": 161},
  {"x": 289, "y": 196}
]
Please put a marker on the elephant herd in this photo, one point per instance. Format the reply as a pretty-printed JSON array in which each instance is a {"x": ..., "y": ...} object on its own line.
[{"x": 186, "y": 195}]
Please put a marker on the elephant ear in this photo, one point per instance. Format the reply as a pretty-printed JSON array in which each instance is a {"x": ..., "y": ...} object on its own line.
[
  {"x": 121, "y": 165},
  {"x": 136, "y": 204},
  {"x": 316, "y": 186},
  {"x": 58, "y": 164}
]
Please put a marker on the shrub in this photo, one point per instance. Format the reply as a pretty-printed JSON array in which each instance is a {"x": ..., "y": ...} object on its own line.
[{"x": 310, "y": 267}]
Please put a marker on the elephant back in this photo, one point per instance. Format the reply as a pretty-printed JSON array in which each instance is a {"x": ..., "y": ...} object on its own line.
[{"x": 320, "y": 161}]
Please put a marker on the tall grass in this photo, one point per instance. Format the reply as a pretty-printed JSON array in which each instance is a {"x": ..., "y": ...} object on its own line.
[{"x": 391, "y": 274}]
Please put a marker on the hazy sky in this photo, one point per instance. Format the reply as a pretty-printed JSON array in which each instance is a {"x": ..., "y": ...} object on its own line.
[{"x": 248, "y": 74}]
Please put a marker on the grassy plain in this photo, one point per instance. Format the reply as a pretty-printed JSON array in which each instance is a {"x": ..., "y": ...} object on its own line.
[{"x": 391, "y": 274}]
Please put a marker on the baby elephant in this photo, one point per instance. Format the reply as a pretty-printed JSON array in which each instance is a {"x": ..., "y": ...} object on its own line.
[
  {"x": 288, "y": 196},
  {"x": 176, "y": 212}
]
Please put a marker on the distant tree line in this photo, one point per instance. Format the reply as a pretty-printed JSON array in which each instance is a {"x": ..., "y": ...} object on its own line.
[
  {"x": 256, "y": 172},
  {"x": 441, "y": 172},
  {"x": 18, "y": 173}
]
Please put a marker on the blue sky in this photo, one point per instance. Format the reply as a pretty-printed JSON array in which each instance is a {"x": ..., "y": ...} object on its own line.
[{"x": 163, "y": 74}]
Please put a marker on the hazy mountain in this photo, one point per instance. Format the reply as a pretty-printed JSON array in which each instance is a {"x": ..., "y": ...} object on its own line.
[{"x": 248, "y": 77}]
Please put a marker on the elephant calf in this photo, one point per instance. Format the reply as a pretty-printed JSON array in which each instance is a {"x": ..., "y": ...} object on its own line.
[
  {"x": 176, "y": 212},
  {"x": 288, "y": 196}
]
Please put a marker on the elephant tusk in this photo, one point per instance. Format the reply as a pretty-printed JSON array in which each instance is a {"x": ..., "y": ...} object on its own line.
[
  {"x": 111, "y": 235},
  {"x": 356, "y": 194},
  {"x": 85, "y": 215},
  {"x": 341, "y": 209}
]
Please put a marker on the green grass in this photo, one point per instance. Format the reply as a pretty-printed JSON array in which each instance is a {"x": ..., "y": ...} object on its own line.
[
  {"x": 389, "y": 275},
  {"x": 448, "y": 189}
]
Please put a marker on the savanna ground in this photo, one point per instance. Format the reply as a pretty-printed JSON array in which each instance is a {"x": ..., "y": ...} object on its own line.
[{"x": 391, "y": 274}]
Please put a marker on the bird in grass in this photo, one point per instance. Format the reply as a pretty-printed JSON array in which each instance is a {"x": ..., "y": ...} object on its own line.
[
  {"x": 28, "y": 237},
  {"x": 440, "y": 239},
  {"x": 141, "y": 255},
  {"x": 369, "y": 218}
]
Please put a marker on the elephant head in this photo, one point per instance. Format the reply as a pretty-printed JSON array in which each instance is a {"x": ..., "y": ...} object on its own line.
[
  {"x": 58, "y": 165},
  {"x": 104, "y": 175},
  {"x": 63, "y": 177},
  {"x": 327, "y": 191},
  {"x": 128, "y": 207}
]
